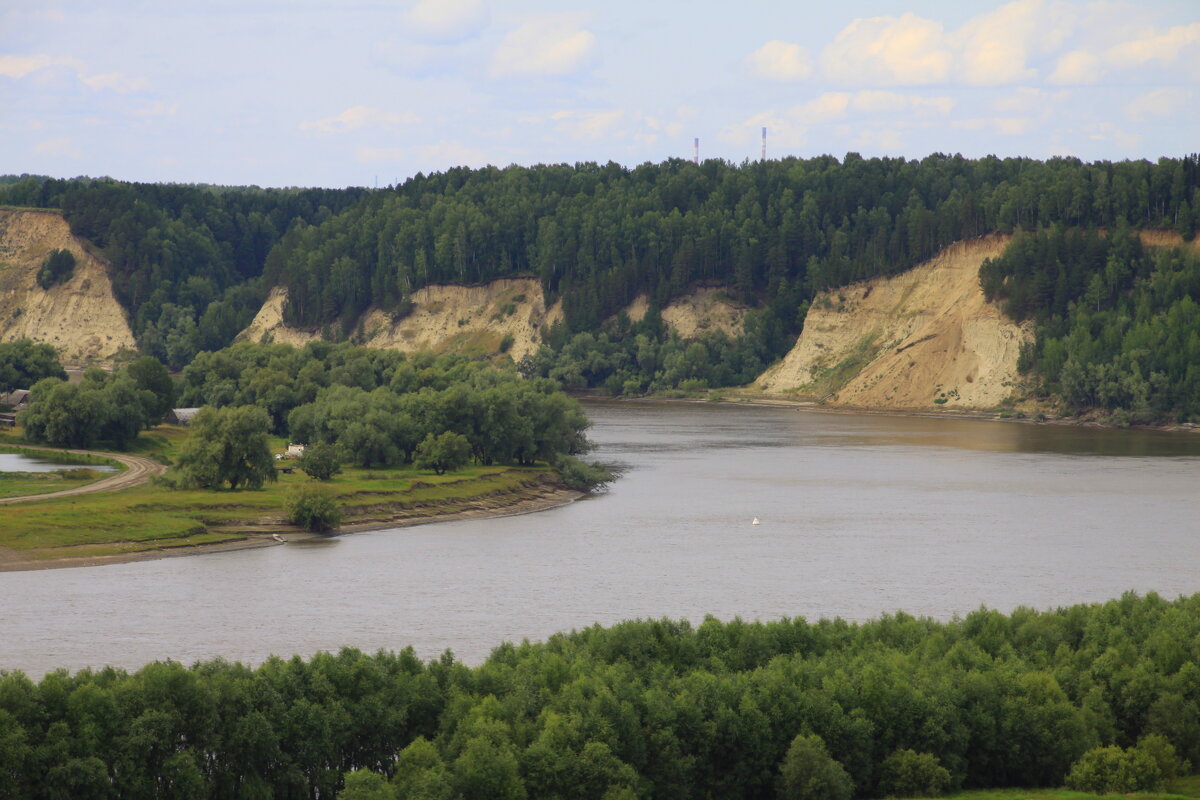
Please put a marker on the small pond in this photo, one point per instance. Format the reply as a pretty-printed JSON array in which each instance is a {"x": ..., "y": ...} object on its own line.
[{"x": 17, "y": 462}]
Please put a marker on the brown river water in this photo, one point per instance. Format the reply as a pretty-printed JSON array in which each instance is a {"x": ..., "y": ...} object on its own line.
[{"x": 860, "y": 515}]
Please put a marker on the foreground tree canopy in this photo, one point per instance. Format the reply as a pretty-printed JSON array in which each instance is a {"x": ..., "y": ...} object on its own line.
[{"x": 656, "y": 709}]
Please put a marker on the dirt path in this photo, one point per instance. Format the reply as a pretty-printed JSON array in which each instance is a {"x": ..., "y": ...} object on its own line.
[{"x": 137, "y": 471}]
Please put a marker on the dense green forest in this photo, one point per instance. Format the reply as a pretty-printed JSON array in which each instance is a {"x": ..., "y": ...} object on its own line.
[
  {"x": 654, "y": 709},
  {"x": 1118, "y": 323},
  {"x": 192, "y": 263},
  {"x": 186, "y": 259}
]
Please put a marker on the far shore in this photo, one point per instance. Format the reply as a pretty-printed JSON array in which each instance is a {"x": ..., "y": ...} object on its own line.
[
  {"x": 523, "y": 505},
  {"x": 808, "y": 404}
]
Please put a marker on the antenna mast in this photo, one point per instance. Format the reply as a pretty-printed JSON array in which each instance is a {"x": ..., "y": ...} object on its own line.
[
  {"x": 764, "y": 147},
  {"x": 696, "y": 155}
]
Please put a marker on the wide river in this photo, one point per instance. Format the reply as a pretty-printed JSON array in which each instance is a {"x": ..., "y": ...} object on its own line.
[{"x": 860, "y": 516}]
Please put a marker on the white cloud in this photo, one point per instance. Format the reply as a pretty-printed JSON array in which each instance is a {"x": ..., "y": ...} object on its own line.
[
  {"x": 445, "y": 154},
  {"x": 61, "y": 147},
  {"x": 1160, "y": 102},
  {"x": 357, "y": 117},
  {"x": 1108, "y": 132},
  {"x": 382, "y": 155},
  {"x": 1007, "y": 45},
  {"x": 1076, "y": 67},
  {"x": 1003, "y": 126},
  {"x": 1165, "y": 48},
  {"x": 447, "y": 21},
  {"x": 879, "y": 101},
  {"x": 115, "y": 81},
  {"x": 1027, "y": 100},
  {"x": 931, "y": 105},
  {"x": 829, "y": 106},
  {"x": 995, "y": 48},
  {"x": 883, "y": 140},
  {"x": 548, "y": 46},
  {"x": 889, "y": 51},
  {"x": 589, "y": 124},
  {"x": 159, "y": 108},
  {"x": 20, "y": 66},
  {"x": 781, "y": 61}
]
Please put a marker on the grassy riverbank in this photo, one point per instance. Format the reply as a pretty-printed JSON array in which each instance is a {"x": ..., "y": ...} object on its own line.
[
  {"x": 1187, "y": 787},
  {"x": 153, "y": 519}
]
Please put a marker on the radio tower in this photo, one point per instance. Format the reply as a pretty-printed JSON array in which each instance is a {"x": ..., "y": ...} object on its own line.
[
  {"x": 764, "y": 149},
  {"x": 696, "y": 155}
]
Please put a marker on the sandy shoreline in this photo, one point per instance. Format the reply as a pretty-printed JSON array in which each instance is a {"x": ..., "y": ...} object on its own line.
[
  {"x": 525, "y": 505},
  {"x": 928, "y": 413}
]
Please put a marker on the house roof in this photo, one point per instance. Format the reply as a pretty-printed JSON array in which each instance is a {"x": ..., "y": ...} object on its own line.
[{"x": 184, "y": 414}]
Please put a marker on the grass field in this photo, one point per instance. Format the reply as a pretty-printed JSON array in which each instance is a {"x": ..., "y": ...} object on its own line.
[
  {"x": 152, "y": 517},
  {"x": 1188, "y": 787}
]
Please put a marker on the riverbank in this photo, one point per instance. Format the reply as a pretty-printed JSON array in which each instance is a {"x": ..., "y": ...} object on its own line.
[
  {"x": 541, "y": 495},
  {"x": 734, "y": 397}
]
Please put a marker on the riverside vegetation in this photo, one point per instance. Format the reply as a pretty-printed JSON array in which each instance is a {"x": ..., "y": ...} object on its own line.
[
  {"x": 1100, "y": 697},
  {"x": 391, "y": 419}
]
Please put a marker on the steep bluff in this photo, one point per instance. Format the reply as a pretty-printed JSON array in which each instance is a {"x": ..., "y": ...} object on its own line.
[
  {"x": 80, "y": 317},
  {"x": 924, "y": 339},
  {"x": 458, "y": 319},
  {"x": 702, "y": 310}
]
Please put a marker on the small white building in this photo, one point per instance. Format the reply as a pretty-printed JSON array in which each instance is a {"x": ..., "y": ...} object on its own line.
[{"x": 295, "y": 450}]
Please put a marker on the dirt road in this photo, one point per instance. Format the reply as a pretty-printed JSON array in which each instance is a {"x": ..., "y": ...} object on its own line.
[{"x": 137, "y": 470}]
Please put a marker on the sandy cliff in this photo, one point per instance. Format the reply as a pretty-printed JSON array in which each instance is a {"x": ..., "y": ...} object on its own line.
[
  {"x": 79, "y": 317},
  {"x": 461, "y": 319},
  {"x": 700, "y": 311},
  {"x": 908, "y": 341}
]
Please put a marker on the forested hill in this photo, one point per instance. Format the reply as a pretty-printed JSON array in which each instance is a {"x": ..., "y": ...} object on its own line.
[
  {"x": 192, "y": 263},
  {"x": 598, "y": 235},
  {"x": 186, "y": 260}
]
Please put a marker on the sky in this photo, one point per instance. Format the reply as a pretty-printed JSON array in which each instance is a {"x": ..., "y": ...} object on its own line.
[{"x": 370, "y": 92}]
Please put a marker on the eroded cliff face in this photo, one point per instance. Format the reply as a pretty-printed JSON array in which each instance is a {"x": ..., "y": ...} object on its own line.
[
  {"x": 923, "y": 339},
  {"x": 80, "y": 317},
  {"x": 445, "y": 319},
  {"x": 700, "y": 311}
]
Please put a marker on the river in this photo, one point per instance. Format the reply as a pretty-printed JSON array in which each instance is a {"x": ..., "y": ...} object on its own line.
[{"x": 860, "y": 515}]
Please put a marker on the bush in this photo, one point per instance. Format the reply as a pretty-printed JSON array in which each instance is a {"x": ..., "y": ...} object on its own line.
[
  {"x": 313, "y": 508},
  {"x": 445, "y": 452},
  {"x": 581, "y": 476},
  {"x": 1147, "y": 767},
  {"x": 907, "y": 773},
  {"x": 58, "y": 267},
  {"x": 808, "y": 772},
  {"x": 320, "y": 461}
]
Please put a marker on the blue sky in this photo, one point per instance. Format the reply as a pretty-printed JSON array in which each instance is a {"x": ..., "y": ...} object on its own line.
[{"x": 314, "y": 92}]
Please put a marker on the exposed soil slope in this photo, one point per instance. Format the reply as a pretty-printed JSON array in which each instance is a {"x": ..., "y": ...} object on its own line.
[
  {"x": 907, "y": 341},
  {"x": 79, "y": 317},
  {"x": 466, "y": 319},
  {"x": 699, "y": 311}
]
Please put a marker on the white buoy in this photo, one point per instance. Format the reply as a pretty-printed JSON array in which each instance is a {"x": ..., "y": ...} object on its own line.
[{"x": 755, "y": 522}]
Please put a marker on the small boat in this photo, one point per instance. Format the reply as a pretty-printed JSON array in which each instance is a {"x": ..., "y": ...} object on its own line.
[
  {"x": 755, "y": 522},
  {"x": 279, "y": 538}
]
